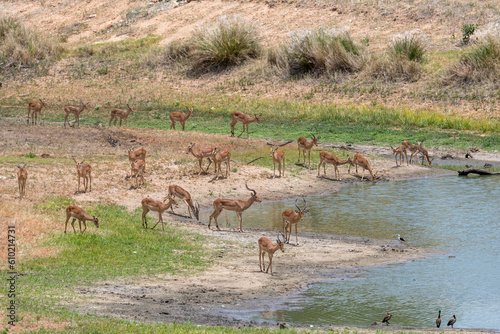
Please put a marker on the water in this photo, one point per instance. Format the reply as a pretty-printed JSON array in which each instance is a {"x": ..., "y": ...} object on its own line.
[{"x": 459, "y": 215}]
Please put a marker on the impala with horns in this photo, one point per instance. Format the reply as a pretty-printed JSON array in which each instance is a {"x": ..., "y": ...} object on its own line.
[
  {"x": 237, "y": 206},
  {"x": 237, "y": 116},
  {"x": 35, "y": 108},
  {"x": 75, "y": 111},
  {"x": 178, "y": 116},
  {"x": 120, "y": 114},
  {"x": 291, "y": 217},
  {"x": 149, "y": 204},
  {"x": 22, "y": 176},
  {"x": 360, "y": 160},
  {"x": 76, "y": 212},
  {"x": 177, "y": 191},
  {"x": 307, "y": 145},
  {"x": 266, "y": 246},
  {"x": 83, "y": 171},
  {"x": 204, "y": 152},
  {"x": 326, "y": 157}
]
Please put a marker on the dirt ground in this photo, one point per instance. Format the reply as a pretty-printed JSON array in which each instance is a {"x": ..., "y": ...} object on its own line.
[{"x": 234, "y": 278}]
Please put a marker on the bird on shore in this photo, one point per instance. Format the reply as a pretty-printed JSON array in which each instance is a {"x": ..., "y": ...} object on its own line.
[
  {"x": 400, "y": 238},
  {"x": 386, "y": 319},
  {"x": 452, "y": 321},
  {"x": 438, "y": 320}
]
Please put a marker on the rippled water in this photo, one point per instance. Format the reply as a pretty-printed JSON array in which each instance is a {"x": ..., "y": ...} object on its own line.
[{"x": 459, "y": 215}]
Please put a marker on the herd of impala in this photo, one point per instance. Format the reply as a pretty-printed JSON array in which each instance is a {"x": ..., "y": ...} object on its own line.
[{"x": 137, "y": 159}]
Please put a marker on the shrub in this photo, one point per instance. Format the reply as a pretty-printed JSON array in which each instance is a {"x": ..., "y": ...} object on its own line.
[
  {"x": 467, "y": 31},
  {"x": 410, "y": 45},
  {"x": 22, "y": 45},
  {"x": 480, "y": 63},
  {"x": 398, "y": 69},
  {"x": 320, "y": 51},
  {"x": 229, "y": 41}
]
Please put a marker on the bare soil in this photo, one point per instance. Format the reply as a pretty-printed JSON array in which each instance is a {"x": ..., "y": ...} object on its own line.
[{"x": 234, "y": 278}]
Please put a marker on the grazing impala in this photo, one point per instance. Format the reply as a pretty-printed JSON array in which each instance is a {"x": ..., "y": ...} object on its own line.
[
  {"x": 149, "y": 204},
  {"x": 178, "y": 116},
  {"x": 137, "y": 154},
  {"x": 120, "y": 114},
  {"x": 237, "y": 116},
  {"x": 138, "y": 167},
  {"x": 266, "y": 246},
  {"x": 306, "y": 145},
  {"x": 35, "y": 108},
  {"x": 233, "y": 205},
  {"x": 22, "y": 176},
  {"x": 360, "y": 160},
  {"x": 83, "y": 171},
  {"x": 219, "y": 158},
  {"x": 278, "y": 158},
  {"x": 205, "y": 152},
  {"x": 399, "y": 151},
  {"x": 328, "y": 158},
  {"x": 291, "y": 217},
  {"x": 424, "y": 152},
  {"x": 76, "y": 212},
  {"x": 75, "y": 111},
  {"x": 177, "y": 191}
]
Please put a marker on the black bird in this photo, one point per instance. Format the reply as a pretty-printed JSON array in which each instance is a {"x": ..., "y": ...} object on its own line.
[
  {"x": 452, "y": 321},
  {"x": 438, "y": 320},
  {"x": 387, "y": 318}
]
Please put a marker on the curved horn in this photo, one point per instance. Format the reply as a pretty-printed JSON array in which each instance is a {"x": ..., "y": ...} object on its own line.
[
  {"x": 298, "y": 208},
  {"x": 305, "y": 204},
  {"x": 24, "y": 164},
  {"x": 254, "y": 192}
]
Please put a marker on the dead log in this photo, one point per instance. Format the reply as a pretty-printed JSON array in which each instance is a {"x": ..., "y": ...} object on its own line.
[{"x": 465, "y": 172}]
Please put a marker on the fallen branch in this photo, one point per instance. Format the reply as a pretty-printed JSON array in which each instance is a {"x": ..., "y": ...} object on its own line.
[
  {"x": 248, "y": 163},
  {"x": 465, "y": 172}
]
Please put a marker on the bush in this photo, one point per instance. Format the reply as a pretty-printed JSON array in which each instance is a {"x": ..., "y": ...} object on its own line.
[
  {"x": 398, "y": 69},
  {"x": 319, "y": 51},
  {"x": 481, "y": 63},
  {"x": 230, "y": 41},
  {"x": 24, "y": 46},
  {"x": 467, "y": 31},
  {"x": 410, "y": 46}
]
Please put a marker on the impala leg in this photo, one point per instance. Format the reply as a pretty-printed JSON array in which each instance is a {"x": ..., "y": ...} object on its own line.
[
  {"x": 214, "y": 215},
  {"x": 239, "y": 219},
  {"x": 161, "y": 219},
  {"x": 289, "y": 233},
  {"x": 66, "y": 119},
  {"x": 296, "y": 237},
  {"x": 209, "y": 163},
  {"x": 183, "y": 125},
  {"x": 284, "y": 226},
  {"x": 270, "y": 263},
  {"x": 144, "y": 219},
  {"x": 263, "y": 267},
  {"x": 85, "y": 226},
  {"x": 188, "y": 212},
  {"x": 66, "y": 223},
  {"x": 73, "y": 225}
]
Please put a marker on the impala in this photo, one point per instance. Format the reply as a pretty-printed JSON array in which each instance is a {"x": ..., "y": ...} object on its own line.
[
  {"x": 22, "y": 176},
  {"x": 328, "y": 158},
  {"x": 360, "y": 160},
  {"x": 149, "y": 204},
  {"x": 219, "y": 158},
  {"x": 76, "y": 212},
  {"x": 399, "y": 151},
  {"x": 83, "y": 171},
  {"x": 205, "y": 152},
  {"x": 411, "y": 147},
  {"x": 34, "y": 108},
  {"x": 237, "y": 206},
  {"x": 75, "y": 111},
  {"x": 120, "y": 114},
  {"x": 137, "y": 154},
  {"x": 178, "y": 116},
  {"x": 278, "y": 158},
  {"x": 292, "y": 217},
  {"x": 138, "y": 167},
  {"x": 177, "y": 191},
  {"x": 424, "y": 152},
  {"x": 306, "y": 145},
  {"x": 266, "y": 246},
  {"x": 237, "y": 116}
]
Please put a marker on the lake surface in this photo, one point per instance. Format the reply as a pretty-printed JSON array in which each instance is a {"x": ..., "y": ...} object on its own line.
[{"x": 458, "y": 215}]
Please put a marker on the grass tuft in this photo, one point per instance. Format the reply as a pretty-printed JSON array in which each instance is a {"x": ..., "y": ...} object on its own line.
[
  {"x": 410, "y": 45},
  {"x": 21, "y": 45},
  {"x": 229, "y": 41},
  {"x": 321, "y": 51}
]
